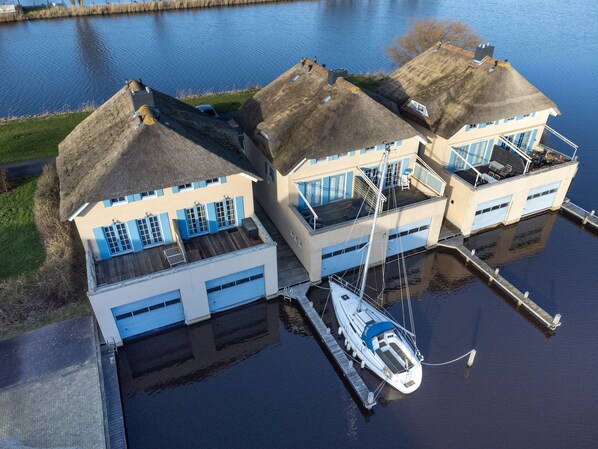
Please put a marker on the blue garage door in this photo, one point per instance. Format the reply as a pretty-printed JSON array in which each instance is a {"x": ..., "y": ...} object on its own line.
[
  {"x": 541, "y": 198},
  {"x": 408, "y": 237},
  {"x": 491, "y": 213},
  {"x": 149, "y": 314},
  {"x": 235, "y": 289},
  {"x": 343, "y": 256}
]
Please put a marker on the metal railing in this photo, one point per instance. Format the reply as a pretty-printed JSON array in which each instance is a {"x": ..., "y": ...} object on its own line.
[
  {"x": 519, "y": 151},
  {"x": 467, "y": 163},
  {"x": 371, "y": 184},
  {"x": 564, "y": 139}
]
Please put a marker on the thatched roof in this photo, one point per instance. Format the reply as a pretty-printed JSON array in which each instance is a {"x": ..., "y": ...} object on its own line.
[
  {"x": 457, "y": 92},
  {"x": 291, "y": 113},
  {"x": 112, "y": 153}
]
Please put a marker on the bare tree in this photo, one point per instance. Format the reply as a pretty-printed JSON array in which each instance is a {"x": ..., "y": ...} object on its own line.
[{"x": 423, "y": 34}]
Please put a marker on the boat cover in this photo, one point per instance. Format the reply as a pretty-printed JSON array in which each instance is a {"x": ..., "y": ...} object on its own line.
[{"x": 374, "y": 329}]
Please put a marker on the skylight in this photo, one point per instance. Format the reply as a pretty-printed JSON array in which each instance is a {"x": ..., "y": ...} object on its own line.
[
  {"x": 418, "y": 107},
  {"x": 326, "y": 99}
]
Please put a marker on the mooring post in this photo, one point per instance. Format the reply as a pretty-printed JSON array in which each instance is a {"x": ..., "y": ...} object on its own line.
[{"x": 471, "y": 358}]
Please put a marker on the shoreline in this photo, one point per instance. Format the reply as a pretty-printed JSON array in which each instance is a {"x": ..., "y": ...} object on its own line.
[{"x": 25, "y": 14}]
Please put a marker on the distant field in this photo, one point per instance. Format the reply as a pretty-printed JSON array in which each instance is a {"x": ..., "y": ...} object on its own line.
[{"x": 20, "y": 247}]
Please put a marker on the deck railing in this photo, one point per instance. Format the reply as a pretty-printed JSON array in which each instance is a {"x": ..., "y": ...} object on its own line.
[
  {"x": 427, "y": 176},
  {"x": 90, "y": 267}
]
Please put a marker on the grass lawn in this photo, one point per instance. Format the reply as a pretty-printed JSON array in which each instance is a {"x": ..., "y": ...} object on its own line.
[
  {"x": 35, "y": 138},
  {"x": 21, "y": 250},
  {"x": 365, "y": 82},
  {"x": 223, "y": 102}
]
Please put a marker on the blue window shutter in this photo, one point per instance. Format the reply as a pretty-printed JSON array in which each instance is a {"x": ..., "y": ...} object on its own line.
[
  {"x": 137, "y": 197},
  {"x": 165, "y": 225},
  {"x": 98, "y": 233},
  {"x": 202, "y": 184},
  {"x": 532, "y": 139},
  {"x": 361, "y": 151},
  {"x": 451, "y": 164},
  {"x": 131, "y": 198},
  {"x": 326, "y": 190},
  {"x": 223, "y": 180},
  {"x": 212, "y": 220},
  {"x": 301, "y": 204},
  {"x": 313, "y": 161},
  {"x": 240, "y": 209},
  {"x": 333, "y": 158},
  {"x": 159, "y": 192},
  {"x": 399, "y": 143},
  {"x": 182, "y": 222},
  {"x": 134, "y": 234},
  {"x": 107, "y": 203},
  {"x": 519, "y": 117},
  {"x": 482, "y": 125},
  {"x": 467, "y": 127},
  {"x": 351, "y": 153},
  {"x": 349, "y": 185},
  {"x": 533, "y": 114},
  {"x": 175, "y": 189}
]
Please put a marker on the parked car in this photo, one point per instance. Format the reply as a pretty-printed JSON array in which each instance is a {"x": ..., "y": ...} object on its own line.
[{"x": 208, "y": 109}]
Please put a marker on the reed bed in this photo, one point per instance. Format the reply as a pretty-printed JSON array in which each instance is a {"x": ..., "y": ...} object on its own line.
[{"x": 126, "y": 8}]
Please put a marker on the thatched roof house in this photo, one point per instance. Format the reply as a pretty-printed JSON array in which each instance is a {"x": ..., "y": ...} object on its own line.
[
  {"x": 141, "y": 140},
  {"x": 457, "y": 91},
  {"x": 310, "y": 112}
]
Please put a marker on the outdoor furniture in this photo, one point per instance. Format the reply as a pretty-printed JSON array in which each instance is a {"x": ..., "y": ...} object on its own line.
[
  {"x": 489, "y": 178},
  {"x": 505, "y": 170},
  {"x": 404, "y": 182},
  {"x": 250, "y": 228},
  {"x": 174, "y": 256},
  {"x": 495, "y": 166}
]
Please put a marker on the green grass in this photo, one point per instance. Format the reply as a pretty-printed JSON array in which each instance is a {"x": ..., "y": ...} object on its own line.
[
  {"x": 35, "y": 138},
  {"x": 22, "y": 251},
  {"x": 365, "y": 82},
  {"x": 223, "y": 102}
]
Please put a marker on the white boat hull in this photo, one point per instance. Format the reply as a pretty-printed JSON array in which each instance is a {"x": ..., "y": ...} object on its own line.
[{"x": 389, "y": 354}]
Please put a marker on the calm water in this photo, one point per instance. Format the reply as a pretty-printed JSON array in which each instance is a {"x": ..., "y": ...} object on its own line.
[{"x": 256, "y": 377}]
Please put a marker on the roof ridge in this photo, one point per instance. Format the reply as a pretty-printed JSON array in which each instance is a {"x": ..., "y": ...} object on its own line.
[
  {"x": 347, "y": 85},
  {"x": 470, "y": 54},
  {"x": 315, "y": 67}
]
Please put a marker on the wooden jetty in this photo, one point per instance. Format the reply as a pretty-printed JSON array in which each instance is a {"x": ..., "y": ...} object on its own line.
[
  {"x": 586, "y": 218},
  {"x": 114, "y": 424},
  {"x": 521, "y": 300},
  {"x": 299, "y": 292}
]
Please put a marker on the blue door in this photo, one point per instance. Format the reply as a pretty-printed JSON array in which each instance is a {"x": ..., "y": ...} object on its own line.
[
  {"x": 343, "y": 256},
  {"x": 149, "y": 314},
  {"x": 541, "y": 198},
  {"x": 235, "y": 289},
  {"x": 313, "y": 192},
  {"x": 491, "y": 213},
  {"x": 337, "y": 188},
  {"x": 408, "y": 237}
]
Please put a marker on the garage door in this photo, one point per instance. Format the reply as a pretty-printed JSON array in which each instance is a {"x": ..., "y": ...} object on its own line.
[
  {"x": 343, "y": 256},
  {"x": 408, "y": 237},
  {"x": 491, "y": 213},
  {"x": 235, "y": 289},
  {"x": 541, "y": 198},
  {"x": 149, "y": 314}
]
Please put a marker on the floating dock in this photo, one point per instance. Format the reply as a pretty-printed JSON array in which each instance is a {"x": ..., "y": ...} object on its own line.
[
  {"x": 586, "y": 218},
  {"x": 299, "y": 292},
  {"x": 521, "y": 300}
]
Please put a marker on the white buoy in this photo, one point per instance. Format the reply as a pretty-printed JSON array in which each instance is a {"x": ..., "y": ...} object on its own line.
[
  {"x": 346, "y": 342},
  {"x": 370, "y": 398},
  {"x": 471, "y": 358},
  {"x": 362, "y": 364},
  {"x": 350, "y": 363},
  {"x": 473, "y": 252},
  {"x": 496, "y": 271},
  {"x": 526, "y": 294},
  {"x": 557, "y": 319},
  {"x": 328, "y": 330},
  {"x": 340, "y": 330},
  {"x": 354, "y": 354},
  {"x": 348, "y": 346}
]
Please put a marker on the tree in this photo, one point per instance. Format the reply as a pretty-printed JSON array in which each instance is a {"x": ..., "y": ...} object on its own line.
[
  {"x": 423, "y": 34},
  {"x": 5, "y": 181}
]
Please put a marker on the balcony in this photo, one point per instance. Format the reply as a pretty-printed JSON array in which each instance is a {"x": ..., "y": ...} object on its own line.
[
  {"x": 154, "y": 260},
  {"x": 421, "y": 185},
  {"x": 509, "y": 161}
]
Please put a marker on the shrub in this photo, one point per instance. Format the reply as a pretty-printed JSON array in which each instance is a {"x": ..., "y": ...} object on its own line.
[{"x": 5, "y": 181}]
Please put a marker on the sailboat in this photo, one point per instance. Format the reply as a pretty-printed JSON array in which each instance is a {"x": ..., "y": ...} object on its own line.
[{"x": 380, "y": 343}]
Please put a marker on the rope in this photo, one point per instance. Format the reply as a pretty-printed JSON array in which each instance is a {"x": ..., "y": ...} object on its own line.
[{"x": 452, "y": 361}]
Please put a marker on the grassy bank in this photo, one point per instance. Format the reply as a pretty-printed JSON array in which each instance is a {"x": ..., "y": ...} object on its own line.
[
  {"x": 54, "y": 290},
  {"x": 22, "y": 251},
  {"x": 125, "y": 8}
]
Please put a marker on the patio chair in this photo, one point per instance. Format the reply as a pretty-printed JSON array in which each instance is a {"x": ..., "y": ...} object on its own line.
[
  {"x": 404, "y": 182},
  {"x": 505, "y": 170}
]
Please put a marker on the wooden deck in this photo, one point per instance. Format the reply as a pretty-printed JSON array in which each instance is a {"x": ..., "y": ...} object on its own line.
[
  {"x": 152, "y": 260},
  {"x": 520, "y": 299},
  {"x": 347, "y": 210},
  {"x": 290, "y": 269},
  {"x": 340, "y": 357},
  {"x": 586, "y": 218}
]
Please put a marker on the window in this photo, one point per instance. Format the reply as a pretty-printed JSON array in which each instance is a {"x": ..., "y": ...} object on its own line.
[
  {"x": 149, "y": 230},
  {"x": 269, "y": 171},
  {"x": 418, "y": 107},
  {"x": 212, "y": 181},
  {"x": 343, "y": 251},
  {"x": 118, "y": 200},
  {"x": 510, "y": 119},
  {"x": 148, "y": 194},
  {"x": 117, "y": 238},
  {"x": 337, "y": 188},
  {"x": 197, "y": 220},
  {"x": 187, "y": 186},
  {"x": 493, "y": 208},
  {"x": 225, "y": 213},
  {"x": 325, "y": 100},
  {"x": 313, "y": 192},
  {"x": 217, "y": 288},
  {"x": 372, "y": 173},
  {"x": 408, "y": 232},
  {"x": 472, "y": 126}
]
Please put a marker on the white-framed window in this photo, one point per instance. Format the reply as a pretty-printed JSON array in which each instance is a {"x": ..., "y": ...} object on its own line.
[
  {"x": 225, "y": 213},
  {"x": 212, "y": 181},
  {"x": 197, "y": 219},
  {"x": 148, "y": 194},
  {"x": 149, "y": 230},
  {"x": 118, "y": 200},
  {"x": 117, "y": 238},
  {"x": 188, "y": 186},
  {"x": 418, "y": 107}
]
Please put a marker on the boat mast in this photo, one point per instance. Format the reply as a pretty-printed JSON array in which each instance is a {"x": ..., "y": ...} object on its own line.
[{"x": 373, "y": 230}]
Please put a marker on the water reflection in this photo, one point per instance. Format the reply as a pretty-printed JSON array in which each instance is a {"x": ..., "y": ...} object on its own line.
[
  {"x": 93, "y": 54},
  {"x": 195, "y": 353}
]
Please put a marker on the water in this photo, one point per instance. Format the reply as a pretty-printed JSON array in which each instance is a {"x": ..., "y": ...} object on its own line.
[{"x": 256, "y": 377}]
